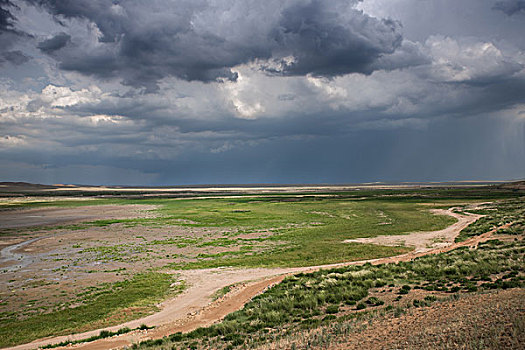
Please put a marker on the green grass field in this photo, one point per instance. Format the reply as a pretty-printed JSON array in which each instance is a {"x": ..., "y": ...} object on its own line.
[
  {"x": 141, "y": 293},
  {"x": 304, "y": 231}
]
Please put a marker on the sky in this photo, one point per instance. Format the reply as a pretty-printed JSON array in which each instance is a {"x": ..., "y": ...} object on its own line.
[{"x": 178, "y": 92}]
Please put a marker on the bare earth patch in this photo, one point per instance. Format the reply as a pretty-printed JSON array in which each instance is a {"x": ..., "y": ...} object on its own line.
[
  {"x": 490, "y": 321},
  {"x": 16, "y": 218},
  {"x": 424, "y": 241}
]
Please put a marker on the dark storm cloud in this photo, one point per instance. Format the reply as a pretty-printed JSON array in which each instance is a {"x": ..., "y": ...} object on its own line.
[
  {"x": 15, "y": 57},
  {"x": 443, "y": 101},
  {"x": 97, "y": 11},
  {"x": 9, "y": 35},
  {"x": 55, "y": 43},
  {"x": 407, "y": 55},
  {"x": 6, "y": 17},
  {"x": 143, "y": 42},
  {"x": 510, "y": 7},
  {"x": 327, "y": 42}
]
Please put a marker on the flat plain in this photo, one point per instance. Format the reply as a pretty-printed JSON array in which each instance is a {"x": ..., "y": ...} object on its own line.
[{"x": 77, "y": 260}]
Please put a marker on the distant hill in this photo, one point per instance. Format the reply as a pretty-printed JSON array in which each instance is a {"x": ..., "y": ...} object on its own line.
[
  {"x": 23, "y": 187},
  {"x": 516, "y": 185}
]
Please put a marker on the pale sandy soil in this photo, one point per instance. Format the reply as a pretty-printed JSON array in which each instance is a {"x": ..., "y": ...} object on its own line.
[
  {"x": 423, "y": 241},
  {"x": 195, "y": 308}
]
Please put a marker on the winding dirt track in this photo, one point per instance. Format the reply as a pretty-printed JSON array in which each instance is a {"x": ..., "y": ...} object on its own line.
[
  {"x": 422, "y": 241},
  {"x": 194, "y": 308}
]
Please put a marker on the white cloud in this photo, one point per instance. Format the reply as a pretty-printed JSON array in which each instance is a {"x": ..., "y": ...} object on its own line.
[
  {"x": 12, "y": 141},
  {"x": 61, "y": 96},
  {"x": 223, "y": 148},
  {"x": 458, "y": 60}
]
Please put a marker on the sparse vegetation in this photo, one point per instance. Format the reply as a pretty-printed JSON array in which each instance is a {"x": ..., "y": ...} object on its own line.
[
  {"x": 319, "y": 299},
  {"x": 508, "y": 217}
]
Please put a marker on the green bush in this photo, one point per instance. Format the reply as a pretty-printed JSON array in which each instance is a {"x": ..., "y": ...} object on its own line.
[
  {"x": 332, "y": 309},
  {"x": 373, "y": 301},
  {"x": 360, "y": 306},
  {"x": 404, "y": 289}
]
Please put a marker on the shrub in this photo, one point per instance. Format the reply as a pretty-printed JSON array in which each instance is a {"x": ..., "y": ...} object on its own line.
[
  {"x": 332, "y": 309},
  {"x": 176, "y": 337},
  {"x": 124, "y": 330},
  {"x": 329, "y": 318},
  {"x": 455, "y": 289},
  {"x": 420, "y": 303},
  {"x": 360, "y": 306},
  {"x": 430, "y": 298},
  {"x": 373, "y": 301},
  {"x": 379, "y": 284},
  {"x": 104, "y": 334},
  {"x": 404, "y": 289}
]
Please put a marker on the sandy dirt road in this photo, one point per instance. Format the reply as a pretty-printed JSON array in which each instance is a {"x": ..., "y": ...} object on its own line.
[
  {"x": 424, "y": 241},
  {"x": 194, "y": 308}
]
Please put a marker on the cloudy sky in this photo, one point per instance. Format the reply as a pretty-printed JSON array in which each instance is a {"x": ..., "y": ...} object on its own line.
[{"x": 167, "y": 92}]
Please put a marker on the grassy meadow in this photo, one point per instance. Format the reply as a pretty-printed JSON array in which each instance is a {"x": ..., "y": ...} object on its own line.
[{"x": 138, "y": 295}]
